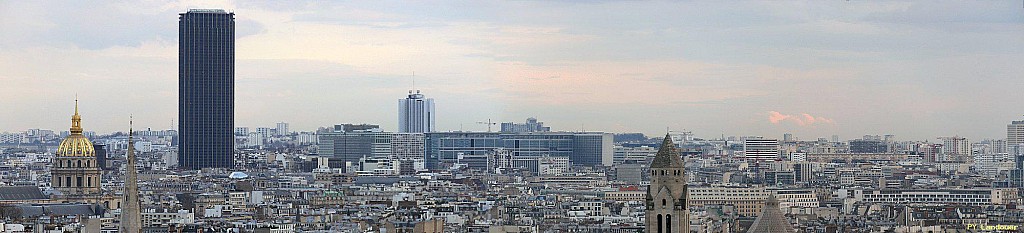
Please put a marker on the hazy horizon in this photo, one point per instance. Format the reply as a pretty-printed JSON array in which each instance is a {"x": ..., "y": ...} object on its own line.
[{"x": 918, "y": 70}]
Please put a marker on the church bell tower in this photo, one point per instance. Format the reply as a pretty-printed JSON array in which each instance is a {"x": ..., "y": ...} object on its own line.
[{"x": 667, "y": 210}]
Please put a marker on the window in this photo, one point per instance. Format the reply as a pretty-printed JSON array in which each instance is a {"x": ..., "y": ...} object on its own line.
[
  {"x": 659, "y": 224},
  {"x": 668, "y": 224}
]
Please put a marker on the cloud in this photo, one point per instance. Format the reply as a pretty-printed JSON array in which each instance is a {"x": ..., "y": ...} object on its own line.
[{"x": 802, "y": 119}]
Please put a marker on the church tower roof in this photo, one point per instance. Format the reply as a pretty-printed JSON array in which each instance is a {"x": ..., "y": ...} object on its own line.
[
  {"x": 771, "y": 219},
  {"x": 668, "y": 156}
]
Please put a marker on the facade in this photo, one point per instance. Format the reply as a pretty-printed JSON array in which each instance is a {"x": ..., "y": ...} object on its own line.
[
  {"x": 761, "y": 150},
  {"x": 579, "y": 148},
  {"x": 591, "y": 149},
  {"x": 955, "y": 146},
  {"x": 416, "y": 114},
  {"x": 531, "y": 125},
  {"x": 865, "y": 146},
  {"x": 444, "y": 148},
  {"x": 960, "y": 196},
  {"x": 350, "y": 147},
  {"x": 282, "y": 129},
  {"x": 407, "y": 146},
  {"x": 747, "y": 201},
  {"x": 667, "y": 209},
  {"x": 639, "y": 154},
  {"x": 75, "y": 169},
  {"x": 206, "y": 89},
  {"x": 1014, "y": 136}
]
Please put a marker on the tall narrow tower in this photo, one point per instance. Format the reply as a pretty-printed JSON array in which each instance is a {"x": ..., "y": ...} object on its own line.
[
  {"x": 131, "y": 216},
  {"x": 667, "y": 210},
  {"x": 416, "y": 114},
  {"x": 206, "y": 89}
]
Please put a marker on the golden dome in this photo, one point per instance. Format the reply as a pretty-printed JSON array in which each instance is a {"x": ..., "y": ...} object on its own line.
[{"x": 76, "y": 144}]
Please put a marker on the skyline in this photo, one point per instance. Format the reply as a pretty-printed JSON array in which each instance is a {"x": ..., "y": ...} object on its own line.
[{"x": 883, "y": 69}]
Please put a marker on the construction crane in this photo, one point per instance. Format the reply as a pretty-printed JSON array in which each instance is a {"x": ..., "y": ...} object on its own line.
[{"x": 488, "y": 123}]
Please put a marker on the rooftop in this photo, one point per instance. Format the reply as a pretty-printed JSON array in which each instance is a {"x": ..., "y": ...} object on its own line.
[{"x": 208, "y": 11}]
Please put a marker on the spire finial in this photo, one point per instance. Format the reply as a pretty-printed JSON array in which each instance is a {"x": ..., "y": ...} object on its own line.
[{"x": 76, "y": 120}]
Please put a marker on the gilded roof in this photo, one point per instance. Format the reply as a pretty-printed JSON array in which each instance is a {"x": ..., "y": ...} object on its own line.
[
  {"x": 76, "y": 144},
  {"x": 668, "y": 156}
]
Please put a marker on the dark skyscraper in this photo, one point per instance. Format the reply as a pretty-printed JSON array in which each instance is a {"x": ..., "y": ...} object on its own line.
[{"x": 206, "y": 88}]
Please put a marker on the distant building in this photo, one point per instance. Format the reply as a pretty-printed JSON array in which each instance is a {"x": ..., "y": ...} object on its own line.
[
  {"x": 1014, "y": 135},
  {"x": 241, "y": 131},
  {"x": 282, "y": 129},
  {"x": 416, "y": 114},
  {"x": 531, "y": 125},
  {"x": 349, "y": 147},
  {"x": 591, "y": 149},
  {"x": 864, "y": 146},
  {"x": 760, "y": 150},
  {"x": 206, "y": 89},
  {"x": 955, "y": 146},
  {"x": 407, "y": 146}
]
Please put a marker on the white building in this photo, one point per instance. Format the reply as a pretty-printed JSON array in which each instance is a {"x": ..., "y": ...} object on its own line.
[
  {"x": 639, "y": 154},
  {"x": 416, "y": 114},
  {"x": 955, "y": 146},
  {"x": 264, "y": 131},
  {"x": 241, "y": 131},
  {"x": 760, "y": 150},
  {"x": 282, "y": 129},
  {"x": 1015, "y": 137}
]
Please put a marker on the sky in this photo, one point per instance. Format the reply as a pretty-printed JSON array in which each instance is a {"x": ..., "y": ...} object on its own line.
[{"x": 915, "y": 69}]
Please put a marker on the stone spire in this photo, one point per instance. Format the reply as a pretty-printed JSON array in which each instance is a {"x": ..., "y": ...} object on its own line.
[
  {"x": 131, "y": 216},
  {"x": 668, "y": 156},
  {"x": 771, "y": 219}
]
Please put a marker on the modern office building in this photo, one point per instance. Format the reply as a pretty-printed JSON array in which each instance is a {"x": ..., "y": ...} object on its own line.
[
  {"x": 444, "y": 147},
  {"x": 757, "y": 150},
  {"x": 591, "y": 149},
  {"x": 416, "y": 114},
  {"x": 938, "y": 196},
  {"x": 407, "y": 146},
  {"x": 531, "y": 125},
  {"x": 536, "y": 145},
  {"x": 583, "y": 149},
  {"x": 866, "y": 146},
  {"x": 349, "y": 147},
  {"x": 206, "y": 88},
  {"x": 1014, "y": 136}
]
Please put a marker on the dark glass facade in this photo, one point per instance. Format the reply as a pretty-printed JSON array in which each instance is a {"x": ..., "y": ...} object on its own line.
[{"x": 206, "y": 89}]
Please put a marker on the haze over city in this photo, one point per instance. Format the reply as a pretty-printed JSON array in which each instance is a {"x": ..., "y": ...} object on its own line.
[{"x": 914, "y": 69}]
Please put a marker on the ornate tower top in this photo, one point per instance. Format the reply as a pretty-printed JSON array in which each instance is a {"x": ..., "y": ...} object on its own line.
[
  {"x": 76, "y": 144},
  {"x": 76, "y": 120}
]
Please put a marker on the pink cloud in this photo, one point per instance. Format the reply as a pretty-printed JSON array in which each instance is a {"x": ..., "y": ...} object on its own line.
[{"x": 802, "y": 119}]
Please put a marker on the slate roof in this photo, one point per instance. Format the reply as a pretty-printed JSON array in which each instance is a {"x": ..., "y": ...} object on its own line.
[
  {"x": 771, "y": 219},
  {"x": 19, "y": 193},
  {"x": 60, "y": 210},
  {"x": 668, "y": 156}
]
